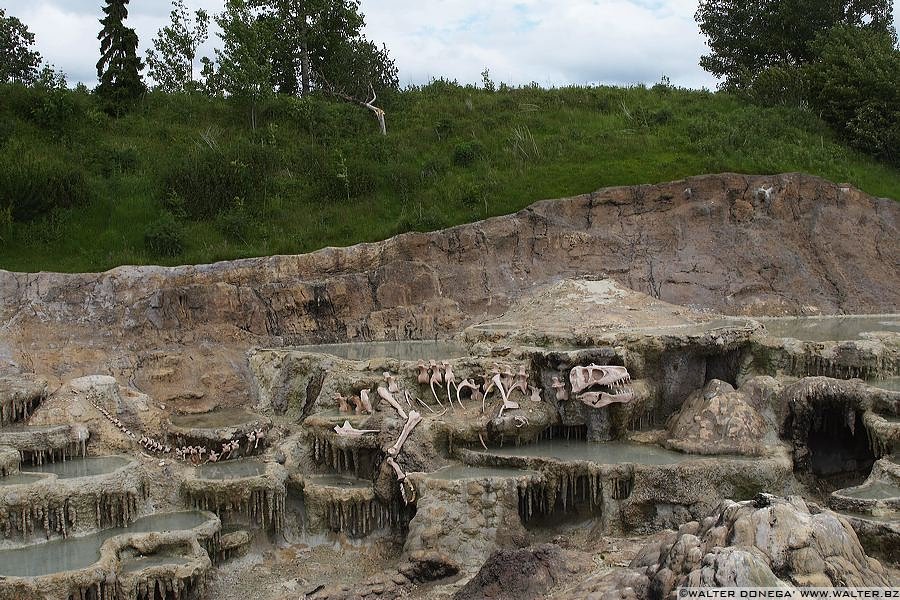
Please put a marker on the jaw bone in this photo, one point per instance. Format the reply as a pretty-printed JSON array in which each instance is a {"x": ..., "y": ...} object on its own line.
[
  {"x": 348, "y": 430},
  {"x": 389, "y": 398},
  {"x": 615, "y": 379},
  {"x": 583, "y": 378},
  {"x": 411, "y": 422}
]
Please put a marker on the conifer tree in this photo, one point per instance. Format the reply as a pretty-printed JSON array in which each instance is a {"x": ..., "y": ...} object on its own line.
[{"x": 119, "y": 67}]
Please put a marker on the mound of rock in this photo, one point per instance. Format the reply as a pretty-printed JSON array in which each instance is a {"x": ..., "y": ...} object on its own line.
[
  {"x": 522, "y": 573},
  {"x": 747, "y": 543},
  {"x": 719, "y": 420}
]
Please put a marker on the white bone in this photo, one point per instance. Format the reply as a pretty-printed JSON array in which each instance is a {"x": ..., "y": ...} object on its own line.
[
  {"x": 349, "y": 431},
  {"x": 436, "y": 378},
  {"x": 364, "y": 401},
  {"x": 422, "y": 376},
  {"x": 392, "y": 383},
  {"x": 389, "y": 398},
  {"x": 535, "y": 394},
  {"x": 411, "y": 422},
  {"x": 343, "y": 406},
  {"x": 397, "y": 470},
  {"x": 560, "y": 387},
  {"x": 450, "y": 378},
  {"x": 465, "y": 384}
]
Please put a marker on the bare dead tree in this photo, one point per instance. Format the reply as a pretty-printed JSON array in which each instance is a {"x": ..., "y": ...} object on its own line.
[{"x": 368, "y": 104}]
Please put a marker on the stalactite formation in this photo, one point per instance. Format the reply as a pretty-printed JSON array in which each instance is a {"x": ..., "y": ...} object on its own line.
[
  {"x": 59, "y": 516},
  {"x": 561, "y": 493},
  {"x": 264, "y": 507},
  {"x": 160, "y": 587},
  {"x": 52, "y": 455},
  {"x": 815, "y": 365},
  {"x": 356, "y": 460},
  {"x": 360, "y": 518},
  {"x": 18, "y": 408}
]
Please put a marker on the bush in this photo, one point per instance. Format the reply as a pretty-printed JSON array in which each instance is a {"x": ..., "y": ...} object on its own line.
[
  {"x": 210, "y": 178},
  {"x": 466, "y": 153},
  {"x": 164, "y": 237},
  {"x": 110, "y": 161},
  {"x": 853, "y": 83},
  {"x": 33, "y": 186}
]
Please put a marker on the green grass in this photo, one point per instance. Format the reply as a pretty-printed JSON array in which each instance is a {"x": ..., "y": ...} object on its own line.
[{"x": 316, "y": 173}]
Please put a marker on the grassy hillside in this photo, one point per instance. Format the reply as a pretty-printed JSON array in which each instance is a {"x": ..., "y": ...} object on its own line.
[{"x": 185, "y": 180}]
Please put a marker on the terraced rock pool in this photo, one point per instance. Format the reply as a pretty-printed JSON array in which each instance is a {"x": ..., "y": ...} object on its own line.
[
  {"x": 829, "y": 328},
  {"x": 81, "y": 552},
  {"x": 231, "y": 469},
  {"x": 606, "y": 453},
  {"x": 82, "y": 467},
  {"x": 409, "y": 350}
]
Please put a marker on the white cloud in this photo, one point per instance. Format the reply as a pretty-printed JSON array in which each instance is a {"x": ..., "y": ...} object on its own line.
[{"x": 553, "y": 43}]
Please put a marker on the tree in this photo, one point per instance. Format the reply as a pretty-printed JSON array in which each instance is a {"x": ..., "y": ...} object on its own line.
[
  {"x": 18, "y": 62},
  {"x": 171, "y": 61},
  {"x": 748, "y": 37},
  {"x": 319, "y": 44},
  {"x": 244, "y": 63},
  {"x": 855, "y": 84},
  {"x": 119, "y": 66}
]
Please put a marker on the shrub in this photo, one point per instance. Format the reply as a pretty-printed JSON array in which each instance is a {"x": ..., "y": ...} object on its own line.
[
  {"x": 165, "y": 236},
  {"x": 210, "y": 178},
  {"x": 32, "y": 186},
  {"x": 108, "y": 160},
  {"x": 466, "y": 153},
  {"x": 854, "y": 85}
]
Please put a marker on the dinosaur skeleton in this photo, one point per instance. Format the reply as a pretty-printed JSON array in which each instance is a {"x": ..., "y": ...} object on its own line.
[
  {"x": 414, "y": 419},
  {"x": 560, "y": 387},
  {"x": 614, "y": 383},
  {"x": 347, "y": 430},
  {"x": 343, "y": 403},
  {"x": 389, "y": 398},
  {"x": 450, "y": 379},
  {"x": 436, "y": 378},
  {"x": 365, "y": 405}
]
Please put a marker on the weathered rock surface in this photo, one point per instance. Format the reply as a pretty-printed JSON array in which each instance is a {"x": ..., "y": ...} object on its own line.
[
  {"x": 748, "y": 543},
  {"x": 523, "y": 573},
  {"x": 720, "y": 420},
  {"x": 732, "y": 243}
]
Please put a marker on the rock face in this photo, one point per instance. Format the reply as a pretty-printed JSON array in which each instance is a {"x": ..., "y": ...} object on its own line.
[
  {"x": 731, "y": 243},
  {"x": 747, "y": 543}
]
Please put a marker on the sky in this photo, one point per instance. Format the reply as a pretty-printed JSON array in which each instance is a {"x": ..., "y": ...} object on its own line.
[{"x": 553, "y": 43}]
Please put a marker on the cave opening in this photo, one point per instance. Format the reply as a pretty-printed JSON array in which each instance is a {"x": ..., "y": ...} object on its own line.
[{"x": 840, "y": 453}]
